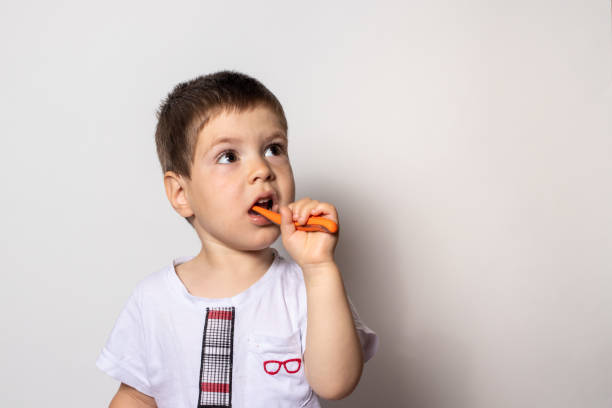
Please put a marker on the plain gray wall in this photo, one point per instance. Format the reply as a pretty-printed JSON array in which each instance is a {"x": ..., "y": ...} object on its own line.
[{"x": 466, "y": 144}]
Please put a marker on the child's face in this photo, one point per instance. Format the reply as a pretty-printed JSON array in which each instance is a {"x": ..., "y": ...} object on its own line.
[{"x": 227, "y": 177}]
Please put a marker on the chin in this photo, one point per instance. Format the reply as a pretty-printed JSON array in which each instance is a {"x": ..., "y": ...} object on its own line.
[
  {"x": 257, "y": 241},
  {"x": 264, "y": 243},
  {"x": 255, "y": 248}
]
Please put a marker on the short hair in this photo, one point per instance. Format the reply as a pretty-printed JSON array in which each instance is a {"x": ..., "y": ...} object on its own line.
[{"x": 191, "y": 104}]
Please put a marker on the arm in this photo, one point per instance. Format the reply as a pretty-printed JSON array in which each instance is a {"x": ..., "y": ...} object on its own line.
[
  {"x": 128, "y": 397},
  {"x": 333, "y": 359}
]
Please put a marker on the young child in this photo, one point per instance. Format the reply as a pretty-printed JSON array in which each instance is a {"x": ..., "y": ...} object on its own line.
[{"x": 237, "y": 324}]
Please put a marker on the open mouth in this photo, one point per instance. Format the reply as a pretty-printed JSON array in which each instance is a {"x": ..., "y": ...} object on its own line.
[{"x": 265, "y": 203}]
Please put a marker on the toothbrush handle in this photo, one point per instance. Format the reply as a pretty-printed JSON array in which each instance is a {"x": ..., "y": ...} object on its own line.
[
  {"x": 318, "y": 224},
  {"x": 312, "y": 224}
]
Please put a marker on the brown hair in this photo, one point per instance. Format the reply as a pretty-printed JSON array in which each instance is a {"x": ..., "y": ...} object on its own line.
[{"x": 191, "y": 104}]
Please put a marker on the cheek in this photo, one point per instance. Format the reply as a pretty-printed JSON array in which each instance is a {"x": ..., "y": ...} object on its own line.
[
  {"x": 224, "y": 188},
  {"x": 292, "y": 191},
  {"x": 290, "y": 184},
  {"x": 286, "y": 182}
]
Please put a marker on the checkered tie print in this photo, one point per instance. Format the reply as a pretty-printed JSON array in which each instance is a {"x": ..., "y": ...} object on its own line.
[{"x": 216, "y": 364}]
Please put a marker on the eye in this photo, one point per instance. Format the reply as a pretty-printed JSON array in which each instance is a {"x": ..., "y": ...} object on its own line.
[
  {"x": 279, "y": 148},
  {"x": 230, "y": 154}
]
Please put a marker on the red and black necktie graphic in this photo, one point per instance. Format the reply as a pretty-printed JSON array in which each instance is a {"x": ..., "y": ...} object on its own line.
[{"x": 216, "y": 364}]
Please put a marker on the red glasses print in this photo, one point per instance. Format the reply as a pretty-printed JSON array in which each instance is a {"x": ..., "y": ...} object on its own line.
[{"x": 292, "y": 366}]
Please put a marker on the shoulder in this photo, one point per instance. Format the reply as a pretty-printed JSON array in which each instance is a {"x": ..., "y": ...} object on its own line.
[{"x": 155, "y": 285}]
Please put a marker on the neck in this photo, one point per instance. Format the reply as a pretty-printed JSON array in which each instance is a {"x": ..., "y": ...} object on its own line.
[
  {"x": 221, "y": 260},
  {"x": 224, "y": 272}
]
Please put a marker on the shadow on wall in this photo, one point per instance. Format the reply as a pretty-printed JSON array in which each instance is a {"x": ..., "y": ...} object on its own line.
[{"x": 424, "y": 371}]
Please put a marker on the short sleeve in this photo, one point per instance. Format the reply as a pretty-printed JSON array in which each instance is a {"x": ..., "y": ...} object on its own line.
[
  {"x": 367, "y": 337},
  {"x": 123, "y": 356}
]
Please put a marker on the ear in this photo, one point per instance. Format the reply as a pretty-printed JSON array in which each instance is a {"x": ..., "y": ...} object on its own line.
[{"x": 177, "y": 194}]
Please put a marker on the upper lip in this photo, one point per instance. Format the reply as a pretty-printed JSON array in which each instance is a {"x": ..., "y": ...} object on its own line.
[{"x": 270, "y": 194}]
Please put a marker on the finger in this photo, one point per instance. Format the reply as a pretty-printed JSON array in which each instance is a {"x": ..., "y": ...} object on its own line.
[
  {"x": 324, "y": 209},
  {"x": 287, "y": 227},
  {"x": 298, "y": 206},
  {"x": 327, "y": 210},
  {"x": 306, "y": 210},
  {"x": 295, "y": 210},
  {"x": 292, "y": 206}
]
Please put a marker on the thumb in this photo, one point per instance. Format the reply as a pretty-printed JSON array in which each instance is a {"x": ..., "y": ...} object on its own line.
[{"x": 286, "y": 225}]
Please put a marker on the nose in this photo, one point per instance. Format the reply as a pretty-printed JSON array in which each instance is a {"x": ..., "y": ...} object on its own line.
[{"x": 260, "y": 169}]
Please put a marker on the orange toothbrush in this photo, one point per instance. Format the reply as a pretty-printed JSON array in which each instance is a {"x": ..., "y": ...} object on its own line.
[{"x": 312, "y": 224}]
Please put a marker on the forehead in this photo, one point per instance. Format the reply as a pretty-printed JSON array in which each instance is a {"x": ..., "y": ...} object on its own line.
[{"x": 238, "y": 126}]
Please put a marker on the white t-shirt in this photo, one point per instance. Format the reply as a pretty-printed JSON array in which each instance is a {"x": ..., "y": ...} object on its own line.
[{"x": 156, "y": 345}]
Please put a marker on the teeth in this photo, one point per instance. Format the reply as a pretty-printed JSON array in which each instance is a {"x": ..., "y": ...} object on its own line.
[{"x": 266, "y": 202}]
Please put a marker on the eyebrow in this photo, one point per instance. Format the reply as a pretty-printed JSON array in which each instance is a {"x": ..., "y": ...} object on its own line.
[{"x": 229, "y": 139}]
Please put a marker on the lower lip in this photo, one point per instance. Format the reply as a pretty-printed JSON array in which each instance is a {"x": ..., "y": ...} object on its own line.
[{"x": 259, "y": 219}]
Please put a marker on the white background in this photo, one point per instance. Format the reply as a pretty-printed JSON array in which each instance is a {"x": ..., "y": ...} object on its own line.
[{"x": 466, "y": 144}]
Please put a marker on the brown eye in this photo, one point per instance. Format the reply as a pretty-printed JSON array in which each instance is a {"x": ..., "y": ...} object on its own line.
[
  {"x": 277, "y": 148},
  {"x": 229, "y": 154}
]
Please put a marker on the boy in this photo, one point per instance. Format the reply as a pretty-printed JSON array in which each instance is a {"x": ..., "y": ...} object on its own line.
[{"x": 236, "y": 325}]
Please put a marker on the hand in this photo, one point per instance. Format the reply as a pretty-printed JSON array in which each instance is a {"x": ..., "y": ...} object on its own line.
[{"x": 308, "y": 249}]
